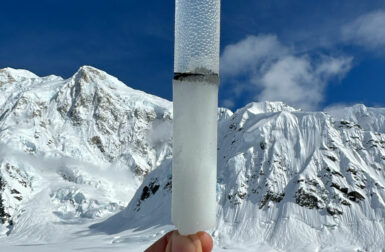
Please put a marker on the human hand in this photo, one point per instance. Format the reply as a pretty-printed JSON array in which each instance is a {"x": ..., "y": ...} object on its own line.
[{"x": 174, "y": 242}]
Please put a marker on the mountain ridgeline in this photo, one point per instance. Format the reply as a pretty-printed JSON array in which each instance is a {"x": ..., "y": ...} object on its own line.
[{"x": 89, "y": 147}]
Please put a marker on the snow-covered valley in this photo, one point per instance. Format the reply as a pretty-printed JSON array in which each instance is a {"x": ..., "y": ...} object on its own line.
[{"x": 85, "y": 164}]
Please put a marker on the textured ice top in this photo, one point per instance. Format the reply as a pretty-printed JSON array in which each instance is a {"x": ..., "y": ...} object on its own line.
[{"x": 197, "y": 35}]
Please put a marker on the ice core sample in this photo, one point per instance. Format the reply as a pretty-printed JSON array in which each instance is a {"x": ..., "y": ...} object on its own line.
[{"x": 195, "y": 104}]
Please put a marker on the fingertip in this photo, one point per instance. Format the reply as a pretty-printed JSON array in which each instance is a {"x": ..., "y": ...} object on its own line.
[
  {"x": 197, "y": 242},
  {"x": 206, "y": 241},
  {"x": 182, "y": 243}
]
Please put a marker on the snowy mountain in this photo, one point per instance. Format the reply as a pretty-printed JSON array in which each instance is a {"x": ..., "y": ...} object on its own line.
[
  {"x": 88, "y": 140},
  {"x": 89, "y": 159}
]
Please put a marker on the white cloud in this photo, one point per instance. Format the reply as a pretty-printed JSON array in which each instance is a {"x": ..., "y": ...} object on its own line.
[
  {"x": 292, "y": 80},
  {"x": 367, "y": 30},
  {"x": 276, "y": 72},
  {"x": 253, "y": 51}
]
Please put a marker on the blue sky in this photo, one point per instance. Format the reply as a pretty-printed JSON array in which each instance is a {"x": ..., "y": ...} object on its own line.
[{"x": 308, "y": 53}]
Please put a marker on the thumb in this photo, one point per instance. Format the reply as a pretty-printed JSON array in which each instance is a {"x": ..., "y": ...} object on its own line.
[
  {"x": 180, "y": 243},
  {"x": 174, "y": 242}
]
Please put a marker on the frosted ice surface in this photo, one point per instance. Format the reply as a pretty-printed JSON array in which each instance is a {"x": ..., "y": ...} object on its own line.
[
  {"x": 197, "y": 35},
  {"x": 195, "y": 156}
]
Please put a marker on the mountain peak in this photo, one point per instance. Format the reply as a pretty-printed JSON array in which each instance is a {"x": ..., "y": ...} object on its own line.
[
  {"x": 91, "y": 75},
  {"x": 10, "y": 75}
]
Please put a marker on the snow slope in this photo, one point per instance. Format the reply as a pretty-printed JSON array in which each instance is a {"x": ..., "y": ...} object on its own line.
[{"x": 85, "y": 163}]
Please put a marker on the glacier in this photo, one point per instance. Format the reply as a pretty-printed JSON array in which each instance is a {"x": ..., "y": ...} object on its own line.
[{"x": 85, "y": 163}]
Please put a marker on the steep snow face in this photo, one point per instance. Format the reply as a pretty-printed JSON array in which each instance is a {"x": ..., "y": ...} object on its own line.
[
  {"x": 296, "y": 180},
  {"x": 86, "y": 141},
  {"x": 285, "y": 169}
]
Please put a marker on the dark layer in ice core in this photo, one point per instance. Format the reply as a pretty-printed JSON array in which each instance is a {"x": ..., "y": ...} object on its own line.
[{"x": 197, "y": 77}]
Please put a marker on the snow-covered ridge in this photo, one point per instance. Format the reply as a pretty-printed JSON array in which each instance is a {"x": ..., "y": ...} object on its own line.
[
  {"x": 9, "y": 75},
  {"x": 266, "y": 107},
  {"x": 78, "y": 150},
  {"x": 372, "y": 119}
]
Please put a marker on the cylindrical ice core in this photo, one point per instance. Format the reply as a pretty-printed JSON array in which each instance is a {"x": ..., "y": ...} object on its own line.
[{"x": 195, "y": 97}]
